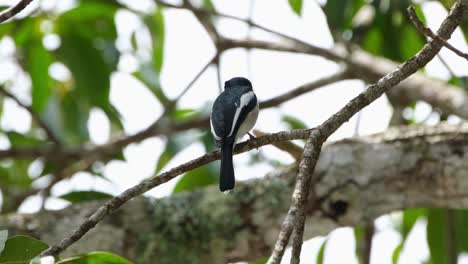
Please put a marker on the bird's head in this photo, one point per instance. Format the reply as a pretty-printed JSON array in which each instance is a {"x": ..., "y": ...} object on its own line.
[{"x": 237, "y": 82}]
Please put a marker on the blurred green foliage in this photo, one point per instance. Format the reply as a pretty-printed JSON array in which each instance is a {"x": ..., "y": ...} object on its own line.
[{"x": 88, "y": 34}]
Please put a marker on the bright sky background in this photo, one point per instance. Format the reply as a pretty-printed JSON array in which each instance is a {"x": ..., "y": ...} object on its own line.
[{"x": 188, "y": 48}]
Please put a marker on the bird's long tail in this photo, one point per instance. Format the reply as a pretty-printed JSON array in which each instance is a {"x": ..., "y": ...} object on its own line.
[{"x": 227, "y": 179}]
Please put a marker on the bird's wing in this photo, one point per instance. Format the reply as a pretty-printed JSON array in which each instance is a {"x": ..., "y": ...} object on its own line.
[{"x": 224, "y": 109}]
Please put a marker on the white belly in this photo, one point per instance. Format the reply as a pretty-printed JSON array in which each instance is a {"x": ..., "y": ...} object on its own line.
[{"x": 248, "y": 123}]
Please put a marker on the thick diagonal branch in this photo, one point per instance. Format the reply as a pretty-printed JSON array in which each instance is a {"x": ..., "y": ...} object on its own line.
[{"x": 296, "y": 216}]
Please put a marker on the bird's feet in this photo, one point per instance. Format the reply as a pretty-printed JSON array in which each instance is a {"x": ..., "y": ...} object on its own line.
[{"x": 251, "y": 136}]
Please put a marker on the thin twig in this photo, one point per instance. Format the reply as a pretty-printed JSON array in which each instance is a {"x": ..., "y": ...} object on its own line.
[
  {"x": 106, "y": 150},
  {"x": 299, "y": 43},
  {"x": 296, "y": 214},
  {"x": 33, "y": 114},
  {"x": 219, "y": 80},
  {"x": 12, "y": 11},
  {"x": 287, "y": 146},
  {"x": 429, "y": 33},
  {"x": 306, "y": 88},
  {"x": 116, "y": 202},
  {"x": 446, "y": 65}
]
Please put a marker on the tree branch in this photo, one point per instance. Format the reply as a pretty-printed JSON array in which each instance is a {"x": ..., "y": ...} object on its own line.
[
  {"x": 33, "y": 114},
  {"x": 404, "y": 167},
  {"x": 119, "y": 200},
  {"x": 12, "y": 11},
  {"x": 296, "y": 215},
  {"x": 428, "y": 32}
]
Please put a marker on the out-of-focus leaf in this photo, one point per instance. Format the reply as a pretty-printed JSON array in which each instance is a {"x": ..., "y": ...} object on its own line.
[
  {"x": 420, "y": 13},
  {"x": 461, "y": 227},
  {"x": 396, "y": 253},
  {"x": 260, "y": 261},
  {"x": 293, "y": 122},
  {"x": 208, "y": 5},
  {"x": 114, "y": 117},
  {"x": 200, "y": 177},
  {"x": 155, "y": 24},
  {"x": 208, "y": 141},
  {"x": 410, "y": 217},
  {"x": 174, "y": 145},
  {"x": 85, "y": 196},
  {"x": 38, "y": 60},
  {"x": 95, "y": 20},
  {"x": 16, "y": 174},
  {"x": 75, "y": 114},
  {"x": 373, "y": 41},
  {"x": 95, "y": 258},
  {"x": 321, "y": 252},
  {"x": 21, "y": 249},
  {"x": 3, "y": 239},
  {"x": 169, "y": 152},
  {"x": 437, "y": 236},
  {"x": 296, "y": 6},
  {"x": 25, "y": 29},
  {"x": 359, "y": 238},
  {"x": 183, "y": 114},
  {"x": 461, "y": 81},
  {"x": 340, "y": 13},
  {"x": 21, "y": 140},
  {"x": 5, "y": 29},
  {"x": 90, "y": 72},
  {"x": 150, "y": 78},
  {"x": 413, "y": 42}
]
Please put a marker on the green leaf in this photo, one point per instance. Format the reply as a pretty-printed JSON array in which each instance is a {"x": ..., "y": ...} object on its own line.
[
  {"x": 174, "y": 145},
  {"x": 157, "y": 29},
  {"x": 293, "y": 122},
  {"x": 321, "y": 252},
  {"x": 169, "y": 152},
  {"x": 413, "y": 42},
  {"x": 85, "y": 196},
  {"x": 340, "y": 13},
  {"x": 3, "y": 239},
  {"x": 20, "y": 140},
  {"x": 95, "y": 20},
  {"x": 296, "y": 6},
  {"x": 95, "y": 258},
  {"x": 184, "y": 114},
  {"x": 461, "y": 229},
  {"x": 359, "y": 238},
  {"x": 396, "y": 253},
  {"x": 75, "y": 115},
  {"x": 410, "y": 217},
  {"x": 373, "y": 41},
  {"x": 21, "y": 249},
  {"x": 16, "y": 174},
  {"x": 200, "y": 177},
  {"x": 150, "y": 77},
  {"x": 260, "y": 261},
  {"x": 38, "y": 61},
  {"x": 437, "y": 236},
  {"x": 208, "y": 5},
  {"x": 90, "y": 71}
]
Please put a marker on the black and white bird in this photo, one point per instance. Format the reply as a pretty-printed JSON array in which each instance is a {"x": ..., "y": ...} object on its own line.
[{"x": 234, "y": 114}]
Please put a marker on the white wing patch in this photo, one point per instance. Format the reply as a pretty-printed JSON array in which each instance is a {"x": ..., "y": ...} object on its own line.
[
  {"x": 244, "y": 101},
  {"x": 213, "y": 131}
]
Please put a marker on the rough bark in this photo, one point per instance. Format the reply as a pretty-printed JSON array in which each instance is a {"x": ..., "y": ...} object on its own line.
[{"x": 360, "y": 179}]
